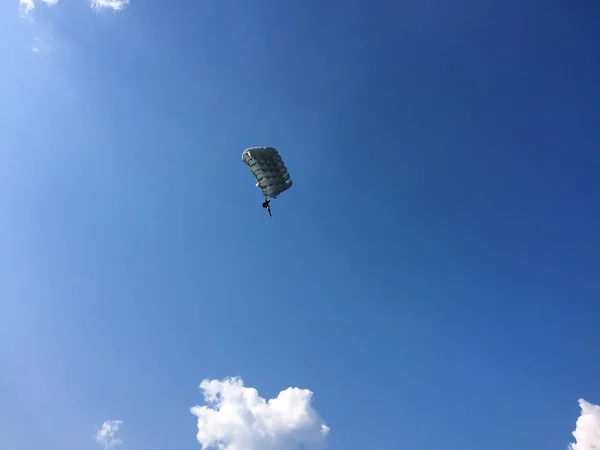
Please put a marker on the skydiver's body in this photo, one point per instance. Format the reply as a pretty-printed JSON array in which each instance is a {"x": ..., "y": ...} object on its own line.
[{"x": 267, "y": 206}]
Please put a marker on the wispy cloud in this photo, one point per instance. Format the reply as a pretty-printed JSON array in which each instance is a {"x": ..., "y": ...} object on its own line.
[
  {"x": 40, "y": 45},
  {"x": 115, "y": 5},
  {"x": 26, "y": 6},
  {"x": 587, "y": 429},
  {"x": 237, "y": 418},
  {"x": 106, "y": 435}
]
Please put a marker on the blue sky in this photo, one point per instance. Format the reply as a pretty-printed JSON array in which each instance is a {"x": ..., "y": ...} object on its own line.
[{"x": 431, "y": 277}]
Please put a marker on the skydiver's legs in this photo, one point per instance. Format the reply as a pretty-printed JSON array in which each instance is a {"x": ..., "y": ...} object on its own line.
[{"x": 269, "y": 209}]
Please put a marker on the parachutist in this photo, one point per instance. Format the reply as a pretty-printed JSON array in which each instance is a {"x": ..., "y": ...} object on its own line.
[
  {"x": 272, "y": 177},
  {"x": 267, "y": 206}
]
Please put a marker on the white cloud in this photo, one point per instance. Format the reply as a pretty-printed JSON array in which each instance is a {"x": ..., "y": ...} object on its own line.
[
  {"x": 26, "y": 6},
  {"x": 237, "y": 418},
  {"x": 587, "y": 430},
  {"x": 106, "y": 435},
  {"x": 115, "y": 5}
]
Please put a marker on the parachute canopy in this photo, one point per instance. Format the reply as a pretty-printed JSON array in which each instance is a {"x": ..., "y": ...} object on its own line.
[{"x": 267, "y": 166}]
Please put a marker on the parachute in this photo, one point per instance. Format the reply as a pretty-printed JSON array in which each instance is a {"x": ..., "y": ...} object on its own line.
[{"x": 266, "y": 165}]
